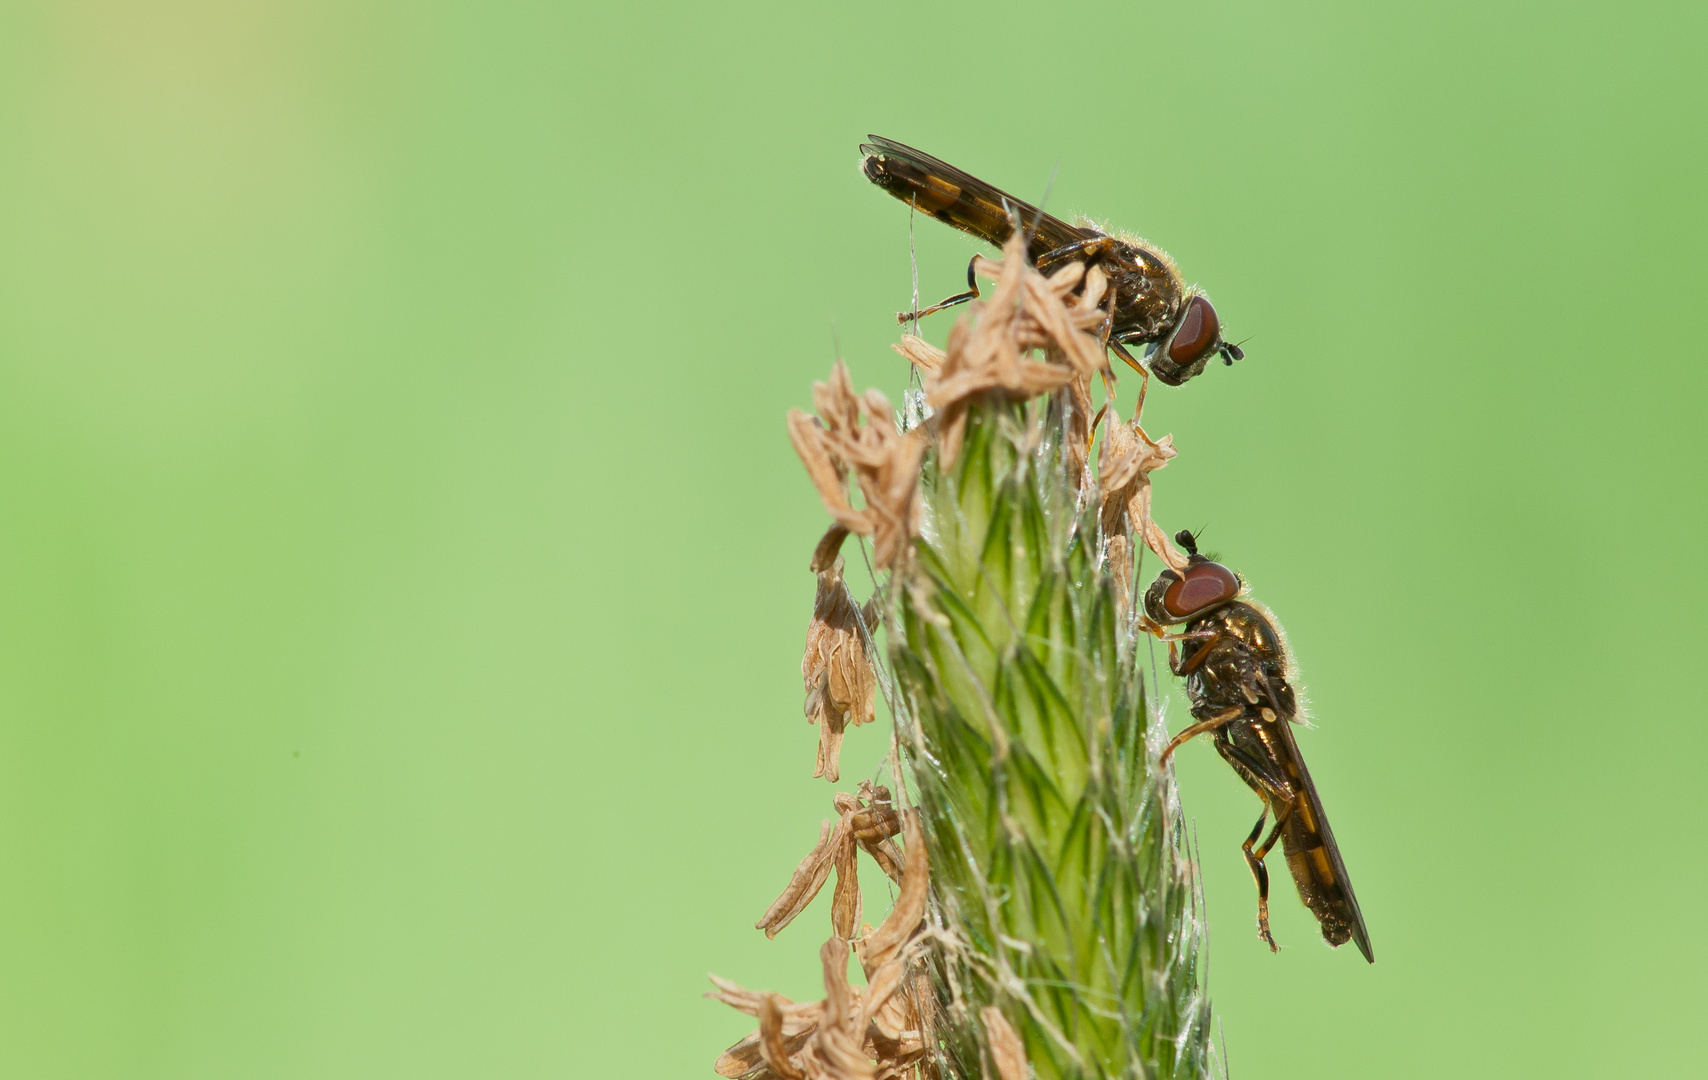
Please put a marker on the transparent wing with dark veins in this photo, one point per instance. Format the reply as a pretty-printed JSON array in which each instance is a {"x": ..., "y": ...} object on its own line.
[{"x": 956, "y": 198}]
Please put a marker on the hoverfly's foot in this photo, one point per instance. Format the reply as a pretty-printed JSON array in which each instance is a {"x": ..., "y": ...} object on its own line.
[
  {"x": 1091, "y": 432},
  {"x": 904, "y": 317},
  {"x": 1263, "y": 927},
  {"x": 972, "y": 293},
  {"x": 1108, "y": 377}
]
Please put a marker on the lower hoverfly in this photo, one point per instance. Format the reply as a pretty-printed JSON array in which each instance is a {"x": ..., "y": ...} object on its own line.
[
  {"x": 1151, "y": 305},
  {"x": 1237, "y": 672}
]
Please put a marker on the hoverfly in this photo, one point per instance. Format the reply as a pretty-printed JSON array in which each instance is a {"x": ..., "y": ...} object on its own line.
[
  {"x": 1236, "y": 667},
  {"x": 1151, "y": 305}
]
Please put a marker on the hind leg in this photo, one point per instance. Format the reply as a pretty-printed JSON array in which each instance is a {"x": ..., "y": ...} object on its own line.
[
  {"x": 972, "y": 293},
  {"x": 1254, "y": 861}
]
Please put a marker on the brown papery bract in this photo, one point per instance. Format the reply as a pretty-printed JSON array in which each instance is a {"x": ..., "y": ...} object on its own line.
[
  {"x": 865, "y": 821},
  {"x": 878, "y": 1034},
  {"x": 841, "y": 685},
  {"x": 1128, "y": 458},
  {"x": 856, "y": 435},
  {"x": 989, "y": 351}
]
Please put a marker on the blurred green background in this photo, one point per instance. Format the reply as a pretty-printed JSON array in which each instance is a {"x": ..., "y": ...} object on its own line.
[{"x": 403, "y": 567}]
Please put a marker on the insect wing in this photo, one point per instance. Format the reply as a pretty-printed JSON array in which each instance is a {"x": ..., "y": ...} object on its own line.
[
  {"x": 1314, "y": 857},
  {"x": 966, "y": 202}
]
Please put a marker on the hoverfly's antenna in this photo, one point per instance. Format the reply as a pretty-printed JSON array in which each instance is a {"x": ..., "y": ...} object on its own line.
[
  {"x": 1188, "y": 541},
  {"x": 1233, "y": 352}
]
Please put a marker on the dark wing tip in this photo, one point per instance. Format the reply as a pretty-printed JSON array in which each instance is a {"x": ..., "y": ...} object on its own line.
[
  {"x": 1362, "y": 939},
  {"x": 877, "y": 144}
]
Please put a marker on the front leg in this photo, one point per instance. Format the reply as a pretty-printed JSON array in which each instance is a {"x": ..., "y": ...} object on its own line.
[
  {"x": 1209, "y": 637},
  {"x": 1182, "y": 668},
  {"x": 1144, "y": 381}
]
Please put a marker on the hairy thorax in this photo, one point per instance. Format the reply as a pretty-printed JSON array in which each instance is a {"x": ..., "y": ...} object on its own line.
[{"x": 1246, "y": 665}]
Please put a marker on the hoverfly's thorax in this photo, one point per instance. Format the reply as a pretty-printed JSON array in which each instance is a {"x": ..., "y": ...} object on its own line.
[
  {"x": 1255, "y": 633},
  {"x": 1145, "y": 304}
]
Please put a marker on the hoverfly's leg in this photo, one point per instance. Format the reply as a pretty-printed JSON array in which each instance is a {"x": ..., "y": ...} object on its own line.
[
  {"x": 1261, "y": 873},
  {"x": 1106, "y": 374},
  {"x": 1132, "y": 362},
  {"x": 1091, "y": 431},
  {"x": 1144, "y": 383},
  {"x": 1090, "y": 250},
  {"x": 1210, "y": 640},
  {"x": 1191, "y": 635},
  {"x": 1209, "y": 637},
  {"x": 1281, "y": 818},
  {"x": 1254, "y": 859},
  {"x": 1103, "y": 335},
  {"x": 1197, "y": 729},
  {"x": 972, "y": 293},
  {"x": 1263, "y": 778}
]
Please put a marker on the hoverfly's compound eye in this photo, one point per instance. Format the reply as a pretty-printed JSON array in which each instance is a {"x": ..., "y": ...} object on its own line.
[
  {"x": 1202, "y": 586},
  {"x": 1198, "y": 332}
]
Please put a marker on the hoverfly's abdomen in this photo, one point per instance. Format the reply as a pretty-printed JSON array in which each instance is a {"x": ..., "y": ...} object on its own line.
[{"x": 910, "y": 184}]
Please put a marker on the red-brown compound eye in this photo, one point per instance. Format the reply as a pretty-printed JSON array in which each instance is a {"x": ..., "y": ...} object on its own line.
[
  {"x": 1204, "y": 585},
  {"x": 1198, "y": 332}
]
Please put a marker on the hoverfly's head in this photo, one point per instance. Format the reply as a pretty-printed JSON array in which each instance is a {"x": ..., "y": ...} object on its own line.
[
  {"x": 1180, "y": 597},
  {"x": 1196, "y": 338}
]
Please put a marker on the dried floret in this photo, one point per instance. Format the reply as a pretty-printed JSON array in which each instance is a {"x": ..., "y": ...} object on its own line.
[
  {"x": 856, "y": 435},
  {"x": 864, "y": 821},
  {"x": 877, "y": 1034},
  {"x": 1128, "y": 458},
  {"x": 836, "y": 669}
]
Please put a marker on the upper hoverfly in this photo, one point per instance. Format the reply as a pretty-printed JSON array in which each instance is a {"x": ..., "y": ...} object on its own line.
[
  {"x": 1237, "y": 673},
  {"x": 1152, "y": 306}
]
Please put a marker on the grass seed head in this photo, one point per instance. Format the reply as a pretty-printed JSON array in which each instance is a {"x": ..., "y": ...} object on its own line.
[{"x": 1057, "y": 932}]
